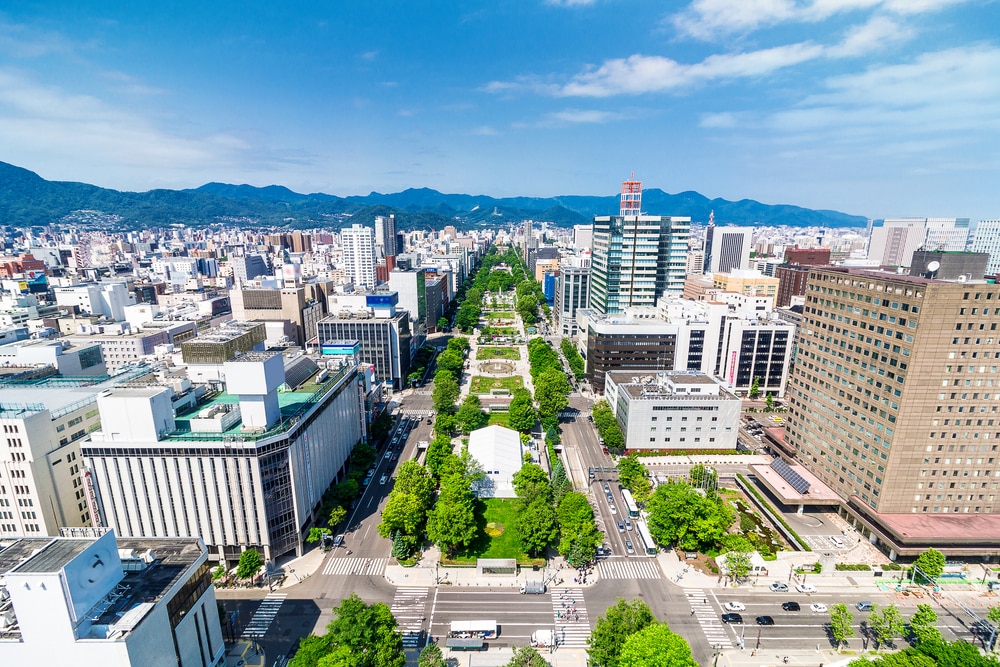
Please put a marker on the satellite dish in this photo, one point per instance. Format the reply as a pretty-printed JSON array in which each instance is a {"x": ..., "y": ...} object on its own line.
[{"x": 933, "y": 266}]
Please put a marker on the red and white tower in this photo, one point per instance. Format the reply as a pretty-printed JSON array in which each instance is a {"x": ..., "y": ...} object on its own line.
[{"x": 631, "y": 201}]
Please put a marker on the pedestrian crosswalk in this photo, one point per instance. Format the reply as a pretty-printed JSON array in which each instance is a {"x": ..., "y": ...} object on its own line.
[
  {"x": 571, "y": 620},
  {"x": 263, "y": 616},
  {"x": 355, "y": 566},
  {"x": 409, "y": 606},
  {"x": 715, "y": 632},
  {"x": 629, "y": 568}
]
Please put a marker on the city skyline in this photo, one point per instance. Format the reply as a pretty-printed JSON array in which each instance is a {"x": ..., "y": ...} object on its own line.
[{"x": 882, "y": 108}]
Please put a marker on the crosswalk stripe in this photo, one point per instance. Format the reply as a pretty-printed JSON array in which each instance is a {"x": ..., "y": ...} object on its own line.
[
  {"x": 571, "y": 633},
  {"x": 263, "y": 616},
  {"x": 715, "y": 632},
  {"x": 631, "y": 568},
  {"x": 408, "y": 606},
  {"x": 355, "y": 566}
]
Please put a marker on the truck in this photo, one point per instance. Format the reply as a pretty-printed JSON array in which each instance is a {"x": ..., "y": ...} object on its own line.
[
  {"x": 532, "y": 588},
  {"x": 541, "y": 638}
]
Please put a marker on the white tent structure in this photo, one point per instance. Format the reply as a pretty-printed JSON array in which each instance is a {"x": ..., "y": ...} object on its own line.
[{"x": 498, "y": 450}]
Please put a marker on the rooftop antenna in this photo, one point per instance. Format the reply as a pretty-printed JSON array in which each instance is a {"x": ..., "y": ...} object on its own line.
[{"x": 631, "y": 198}]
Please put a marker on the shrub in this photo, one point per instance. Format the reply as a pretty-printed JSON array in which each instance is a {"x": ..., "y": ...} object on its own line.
[{"x": 852, "y": 567}]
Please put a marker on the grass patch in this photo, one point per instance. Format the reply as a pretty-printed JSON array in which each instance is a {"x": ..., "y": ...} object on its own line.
[
  {"x": 484, "y": 353},
  {"x": 491, "y": 514},
  {"x": 502, "y": 418},
  {"x": 482, "y": 385},
  {"x": 777, "y": 515}
]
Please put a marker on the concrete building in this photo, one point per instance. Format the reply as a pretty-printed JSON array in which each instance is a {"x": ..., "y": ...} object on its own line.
[
  {"x": 107, "y": 299},
  {"x": 359, "y": 255},
  {"x": 738, "y": 341},
  {"x": 244, "y": 467},
  {"x": 672, "y": 410},
  {"x": 987, "y": 239},
  {"x": 949, "y": 265},
  {"x": 794, "y": 273},
  {"x": 385, "y": 235},
  {"x": 583, "y": 237},
  {"x": 411, "y": 287},
  {"x": 121, "y": 347},
  {"x": 383, "y": 332},
  {"x": 746, "y": 281},
  {"x": 893, "y": 240},
  {"x": 247, "y": 268},
  {"x": 499, "y": 451},
  {"x": 572, "y": 293},
  {"x": 892, "y": 405},
  {"x": 297, "y": 308},
  {"x": 727, "y": 248},
  {"x": 97, "y": 601}
]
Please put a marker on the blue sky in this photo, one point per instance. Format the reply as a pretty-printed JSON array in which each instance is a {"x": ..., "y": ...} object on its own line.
[{"x": 872, "y": 107}]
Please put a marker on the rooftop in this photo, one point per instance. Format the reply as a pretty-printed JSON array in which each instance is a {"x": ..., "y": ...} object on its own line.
[{"x": 59, "y": 394}]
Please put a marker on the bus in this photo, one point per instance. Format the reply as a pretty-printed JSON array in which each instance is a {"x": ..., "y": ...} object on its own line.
[
  {"x": 630, "y": 507},
  {"x": 647, "y": 539},
  {"x": 474, "y": 629}
]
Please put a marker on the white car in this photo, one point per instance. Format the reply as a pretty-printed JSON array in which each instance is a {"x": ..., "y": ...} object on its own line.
[
  {"x": 805, "y": 588},
  {"x": 735, "y": 606},
  {"x": 383, "y": 479},
  {"x": 818, "y": 608},
  {"x": 779, "y": 587},
  {"x": 614, "y": 510}
]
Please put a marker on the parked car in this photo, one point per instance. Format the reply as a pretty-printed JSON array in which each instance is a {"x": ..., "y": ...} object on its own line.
[
  {"x": 791, "y": 606},
  {"x": 732, "y": 618},
  {"x": 805, "y": 588},
  {"x": 819, "y": 608},
  {"x": 779, "y": 587},
  {"x": 765, "y": 620},
  {"x": 735, "y": 606}
]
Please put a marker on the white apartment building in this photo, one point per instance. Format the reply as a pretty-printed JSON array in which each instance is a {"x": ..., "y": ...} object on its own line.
[
  {"x": 893, "y": 240},
  {"x": 108, "y": 299},
  {"x": 988, "y": 240},
  {"x": 94, "y": 601},
  {"x": 359, "y": 255}
]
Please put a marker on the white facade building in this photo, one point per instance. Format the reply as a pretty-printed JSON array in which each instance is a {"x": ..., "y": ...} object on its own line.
[
  {"x": 107, "y": 299},
  {"x": 893, "y": 241},
  {"x": 988, "y": 240},
  {"x": 673, "y": 410},
  {"x": 359, "y": 255},
  {"x": 101, "y": 602},
  {"x": 727, "y": 248}
]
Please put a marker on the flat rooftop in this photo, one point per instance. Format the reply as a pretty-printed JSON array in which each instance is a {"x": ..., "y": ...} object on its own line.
[
  {"x": 953, "y": 529},
  {"x": 57, "y": 392},
  {"x": 818, "y": 493}
]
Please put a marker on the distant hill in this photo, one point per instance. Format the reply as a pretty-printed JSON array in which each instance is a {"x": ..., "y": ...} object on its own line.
[{"x": 28, "y": 199}]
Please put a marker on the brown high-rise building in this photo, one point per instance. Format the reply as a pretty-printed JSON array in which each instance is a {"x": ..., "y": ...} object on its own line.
[
  {"x": 794, "y": 273},
  {"x": 895, "y": 405}
]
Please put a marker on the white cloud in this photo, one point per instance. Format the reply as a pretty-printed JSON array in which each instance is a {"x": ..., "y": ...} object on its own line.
[
  {"x": 576, "y": 116},
  {"x": 570, "y": 3},
  {"x": 863, "y": 39},
  {"x": 639, "y": 74},
  {"x": 370, "y": 55},
  {"x": 484, "y": 131},
  {"x": 713, "y": 19},
  {"x": 723, "y": 120}
]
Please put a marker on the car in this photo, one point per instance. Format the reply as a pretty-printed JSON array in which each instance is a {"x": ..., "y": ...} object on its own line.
[
  {"x": 628, "y": 547},
  {"x": 864, "y": 606},
  {"x": 395, "y": 457},
  {"x": 805, "y": 588},
  {"x": 735, "y": 606},
  {"x": 819, "y": 608},
  {"x": 628, "y": 525},
  {"x": 383, "y": 479},
  {"x": 590, "y": 472},
  {"x": 607, "y": 489},
  {"x": 590, "y": 418},
  {"x": 388, "y": 454},
  {"x": 732, "y": 618},
  {"x": 621, "y": 527},
  {"x": 791, "y": 606},
  {"x": 604, "y": 449},
  {"x": 765, "y": 620},
  {"x": 370, "y": 473},
  {"x": 366, "y": 481},
  {"x": 614, "y": 510},
  {"x": 779, "y": 587}
]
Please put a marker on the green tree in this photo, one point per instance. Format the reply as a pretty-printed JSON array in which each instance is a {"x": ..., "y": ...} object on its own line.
[
  {"x": 470, "y": 415},
  {"x": 521, "y": 413},
  {"x": 656, "y": 646},
  {"x": 249, "y": 564},
  {"x": 438, "y": 452},
  {"x": 884, "y": 624},
  {"x": 620, "y": 621},
  {"x": 360, "y": 635},
  {"x": 337, "y": 514},
  {"x": 531, "y": 483},
  {"x": 552, "y": 391},
  {"x": 415, "y": 479},
  {"x": 446, "y": 391},
  {"x": 841, "y": 624},
  {"x": 755, "y": 388},
  {"x": 738, "y": 564},
  {"x": 445, "y": 424},
  {"x": 994, "y": 616},
  {"x": 400, "y": 547},
  {"x": 452, "y": 523},
  {"x": 642, "y": 490},
  {"x": 536, "y": 524},
  {"x": 362, "y": 456},
  {"x": 317, "y": 534},
  {"x": 930, "y": 563},
  {"x": 442, "y": 325},
  {"x": 527, "y": 656},
  {"x": 578, "y": 534},
  {"x": 560, "y": 483},
  {"x": 431, "y": 656},
  {"x": 769, "y": 401},
  {"x": 679, "y": 515},
  {"x": 346, "y": 491},
  {"x": 903, "y": 659},
  {"x": 630, "y": 470},
  {"x": 703, "y": 477},
  {"x": 403, "y": 513},
  {"x": 922, "y": 625},
  {"x": 459, "y": 344},
  {"x": 451, "y": 360}
]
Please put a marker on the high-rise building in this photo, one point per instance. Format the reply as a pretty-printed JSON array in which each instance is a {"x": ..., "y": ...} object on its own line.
[
  {"x": 636, "y": 259},
  {"x": 359, "y": 255},
  {"x": 384, "y": 333},
  {"x": 893, "y": 405},
  {"x": 572, "y": 294},
  {"x": 893, "y": 240},
  {"x": 727, "y": 248},
  {"x": 987, "y": 240},
  {"x": 385, "y": 234},
  {"x": 411, "y": 286},
  {"x": 794, "y": 273}
]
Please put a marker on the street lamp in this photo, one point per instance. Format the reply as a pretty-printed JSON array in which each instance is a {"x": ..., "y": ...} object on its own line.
[{"x": 718, "y": 650}]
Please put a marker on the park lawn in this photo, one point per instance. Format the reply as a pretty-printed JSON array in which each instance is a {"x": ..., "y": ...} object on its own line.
[
  {"x": 505, "y": 545},
  {"x": 502, "y": 418},
  {"x": 484, "y": 353},
  {"x": 482, "y": 385},
  {"x": 502, "y": 314}
]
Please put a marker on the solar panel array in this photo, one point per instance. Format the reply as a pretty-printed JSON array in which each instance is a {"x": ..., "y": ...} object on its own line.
[
  {"x": 795, "y": 479},
  {"x": 298, "y": 370}
]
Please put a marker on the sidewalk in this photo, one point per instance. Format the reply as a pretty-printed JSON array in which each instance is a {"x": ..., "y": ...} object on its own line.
[
  {"x": 298, "y": 569},
  {"x": 243, "y": 654}
]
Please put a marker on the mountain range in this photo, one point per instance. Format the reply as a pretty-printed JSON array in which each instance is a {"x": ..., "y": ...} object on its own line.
[{"x": 27, "y": 199}]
